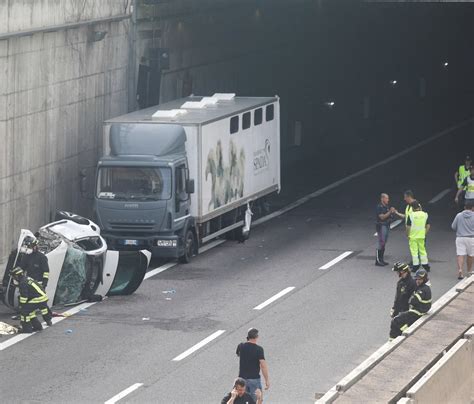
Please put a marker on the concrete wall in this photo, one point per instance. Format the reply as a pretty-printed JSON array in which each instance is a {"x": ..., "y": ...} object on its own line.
[
  {"x": 450, "y": 380},
  {"x": 56, "y": 88}
]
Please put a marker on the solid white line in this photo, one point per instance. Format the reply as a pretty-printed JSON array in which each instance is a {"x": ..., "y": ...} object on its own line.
[
  {"x": 287, "y": 208},
  {"x": 336, "y": 260},
  {"x": 359, "y": 173},
  {"x": 273, "y": 298},
  {"x": 392, "y": 225},
  {"x": 199, "y": 345},
  {"x": 20, "y": 337},
  {"x": 441, "y": 195},
  {"x": 124, "y": 393},
  {"x": 158, "y": 270}
]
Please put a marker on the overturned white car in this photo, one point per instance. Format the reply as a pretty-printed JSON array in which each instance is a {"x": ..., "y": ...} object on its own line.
[{"x": 80, "y": 266}]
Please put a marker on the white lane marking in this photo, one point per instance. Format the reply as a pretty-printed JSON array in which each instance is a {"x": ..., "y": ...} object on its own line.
[
  {"x": 158, "y": 270},
  {"x": 392, "y": 225},
  {"x": 124, "y": 393},
  {"x": 291, "y": 206},
  {"x": 273, "y": 298},
  {"x": 336, "y": 260},
  {"x": 359, "y": 173},
  {"x": 441, "y": 195},
  {"x": 199, "y": 345},
  {"x": 20, "y": 337}
]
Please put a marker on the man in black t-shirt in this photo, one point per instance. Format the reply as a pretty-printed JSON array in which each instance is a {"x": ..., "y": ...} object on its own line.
[
  {"x": 252, "y": 360},
  {"x": 238, "y": 395}
]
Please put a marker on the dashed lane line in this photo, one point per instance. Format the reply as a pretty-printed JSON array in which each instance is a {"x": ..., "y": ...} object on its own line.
[
  {"x": 440, "y": 196},
  {"x": 124, "y": 393},
  {"x": 273, "y": 298},
  {"x": 280, "y": 212},
  {"x": 199, "y": 345},
  {"x": 336, "y": 260}
]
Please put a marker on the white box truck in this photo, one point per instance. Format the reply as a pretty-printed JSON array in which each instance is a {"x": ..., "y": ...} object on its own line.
[{"x": 179, "y": 174}]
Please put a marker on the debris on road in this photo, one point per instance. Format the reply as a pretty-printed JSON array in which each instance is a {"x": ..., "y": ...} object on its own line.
[
  {"x": 171, "y": 291},
  {"x": 146, "y": 318},
  {"x": 68, "y": 331},
  {"x": 7, "y": 329}
]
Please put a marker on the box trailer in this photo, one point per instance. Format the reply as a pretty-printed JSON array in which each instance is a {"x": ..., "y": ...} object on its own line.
[{"x": 177, "y": 175}]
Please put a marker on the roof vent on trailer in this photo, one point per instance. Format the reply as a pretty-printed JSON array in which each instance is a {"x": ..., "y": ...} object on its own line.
[
  {"x": 172, "y": 113},
  {"x": 206, "y": 101},
  {"x": 224, "y": 96}
]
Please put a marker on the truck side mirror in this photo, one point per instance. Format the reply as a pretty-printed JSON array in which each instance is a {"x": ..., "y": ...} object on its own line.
[{"x": 190, "y": 186}]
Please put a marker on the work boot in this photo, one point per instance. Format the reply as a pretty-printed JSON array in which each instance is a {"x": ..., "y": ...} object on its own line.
[
  {"x": 382, "y": 253},
  {"x": 426, "y": 267},
  {"x": 49, "y": 323},
  {"x": 25, "y": 328},
  {"x": 35, "y": 323},
  {"x": 415, "y": 268},
  {"x": 378, "y": 261}
]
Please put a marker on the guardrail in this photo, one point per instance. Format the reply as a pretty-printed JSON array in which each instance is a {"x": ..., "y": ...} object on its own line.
[{"x": 385, "y": 350}]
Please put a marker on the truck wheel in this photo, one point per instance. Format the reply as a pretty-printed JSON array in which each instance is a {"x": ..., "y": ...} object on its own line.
[{"x": 188, "y": 248}]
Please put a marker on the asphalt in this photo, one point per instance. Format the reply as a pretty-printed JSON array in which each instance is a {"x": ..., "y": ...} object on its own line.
[{"x": 312, "y": 336}]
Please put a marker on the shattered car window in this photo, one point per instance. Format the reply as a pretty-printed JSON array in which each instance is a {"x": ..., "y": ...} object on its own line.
[{"x": 72, "y": 278}]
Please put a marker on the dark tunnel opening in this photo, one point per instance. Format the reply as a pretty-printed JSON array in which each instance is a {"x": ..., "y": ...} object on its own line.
[{"x": 358, "y": 82}]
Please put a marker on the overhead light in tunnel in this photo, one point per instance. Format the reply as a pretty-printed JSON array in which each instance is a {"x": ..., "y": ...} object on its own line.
[
  {"x": 393, "y": 82},
  {"x": 330, "y": 104},
  {"x": 258, "y": 13},
  {"x": 445, "y": 64}
]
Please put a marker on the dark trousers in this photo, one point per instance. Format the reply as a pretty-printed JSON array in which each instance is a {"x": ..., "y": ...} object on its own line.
[
  {"x": 28, "y": 319},
  {"x": 401, "y": 322},
  {"x": 382, "y": 235}
]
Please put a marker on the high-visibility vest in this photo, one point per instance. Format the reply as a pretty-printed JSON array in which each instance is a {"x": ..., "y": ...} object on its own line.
[
  {"x": 408, "y": 210},
  {"x": 418, "y": 224},
  {"x": 470, "y": 188},
  {"x": 463, "y": 173}
]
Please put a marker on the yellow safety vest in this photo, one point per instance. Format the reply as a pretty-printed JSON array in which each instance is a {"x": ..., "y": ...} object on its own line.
[
  {"x": 408, "y": 210},
  {"x": 463, "y": 173},
  {"x": 470, "y": 188},
  {"x": 418, "y": 224}
]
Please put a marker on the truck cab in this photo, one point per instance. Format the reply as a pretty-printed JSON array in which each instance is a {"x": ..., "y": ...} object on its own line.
[{"x": 142, "y": 201}]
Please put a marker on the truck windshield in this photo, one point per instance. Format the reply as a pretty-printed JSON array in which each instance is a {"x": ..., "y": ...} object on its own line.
[{"x": 134, "y": 183}]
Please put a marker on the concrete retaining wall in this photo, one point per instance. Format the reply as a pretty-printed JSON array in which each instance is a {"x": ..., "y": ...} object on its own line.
[
  {"x": 450, "y": 380},
  {"x": 56, "y": 88}
]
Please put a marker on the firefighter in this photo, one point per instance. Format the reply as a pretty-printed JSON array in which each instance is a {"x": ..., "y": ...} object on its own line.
[
  {"x": 419, "y": 305},
  {"x": 32, "y": 298},
  {"x": 406, "y": 285},
  {"x": 417, "y": 228},
  {"x": 36, "y": 265}
]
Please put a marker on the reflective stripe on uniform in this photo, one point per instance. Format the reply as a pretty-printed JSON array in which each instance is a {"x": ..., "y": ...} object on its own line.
[
  {"x": 404, "y": 327},
  {"x": 46, "y": 275},
  {"x": 421, "y": 300},
  {"x": 416, "y": 312}
]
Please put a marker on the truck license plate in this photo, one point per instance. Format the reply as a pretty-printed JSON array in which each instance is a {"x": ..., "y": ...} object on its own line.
[{"x": 130, "y": 242}]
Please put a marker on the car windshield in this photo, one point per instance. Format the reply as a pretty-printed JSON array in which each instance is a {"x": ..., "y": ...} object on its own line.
[{"x": 134, "y": 183}]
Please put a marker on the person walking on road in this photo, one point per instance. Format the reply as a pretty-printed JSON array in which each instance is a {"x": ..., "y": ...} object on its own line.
[
  {"x": 463, "y": 225},
  {"x": 417, "y": 228},
  {"x": 419, "y": 305},
  {"x": 406, "y": 285},
  {"x": 466, "y": 188},
  {"x": 239, "y": 395},
  {"x": 252, "y": 361},
  {"x": 383, "y": 218}
]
